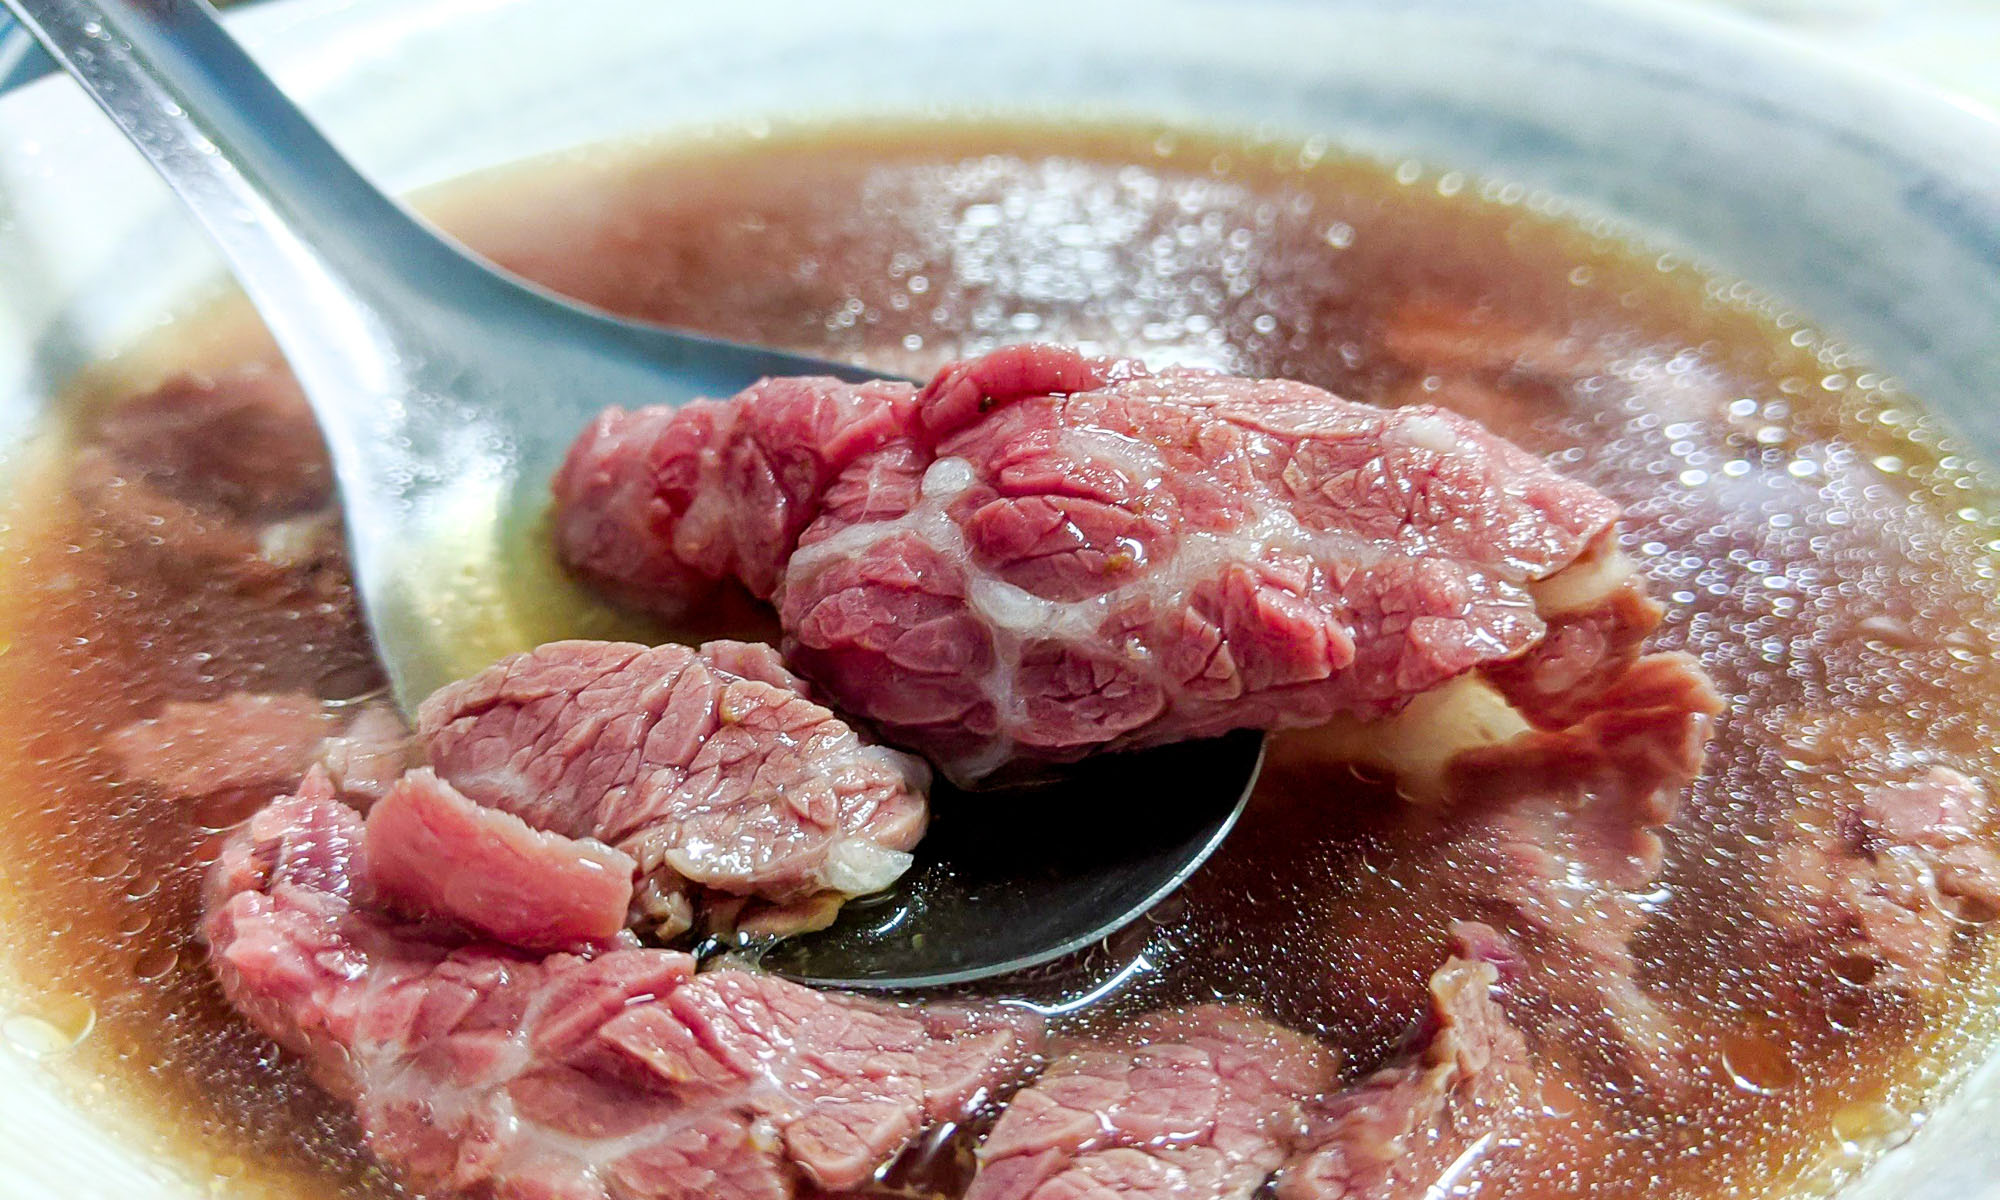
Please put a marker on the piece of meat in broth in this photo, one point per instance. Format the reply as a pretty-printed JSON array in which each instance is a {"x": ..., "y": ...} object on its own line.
[
  {"x": 1895, "y": 880},
  {"x": 257, "y": 739},
  {"x": 1194, "y": 1104},
  {"x": 1042, "y": 555},
  {"x": 1424, "y": 1126},
  {"x": 1554, "y": 834},
  {"x": 710, "y": 768},
  {"x": 214, "y": 476},
  {"x": 1218, "y": 1103},
  {"x": 478, "y": 1069}
]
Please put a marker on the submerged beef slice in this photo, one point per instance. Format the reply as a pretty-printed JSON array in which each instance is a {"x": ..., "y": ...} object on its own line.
[
  {"x": 1419, "y": 1127},
  {"x": 1194, "y": 1104},
  {"x": 1897, "y": 879},
  {"x": 704, "y": 768},
  {"x": 222, "y": 475},
  {"x": 711, "y": 769},
  {"x": 1041, "y": 555},
  {"x": 249, "y": 739},
  {"x": 1552, "y": 836},
  {"x": 1217, "y": 1103},
  {"x": 479, "y": 1070},
  {"x": 1484, "y": 362}
]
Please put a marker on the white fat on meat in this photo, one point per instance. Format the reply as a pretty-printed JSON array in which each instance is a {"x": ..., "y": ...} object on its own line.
[
  {"x": 859, "y": 867},
  {"x": 1585, "y": 583},
  {"x": 1018, "y": 618},
  {"x": 1415, "y": 744},
  {"x": 1423, "y": 431}
]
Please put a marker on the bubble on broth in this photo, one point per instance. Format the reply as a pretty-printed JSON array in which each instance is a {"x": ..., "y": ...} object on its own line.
[
  {"x": 1758, "y": 1062},
  {"x": 1970, "y": 911},
  {"x": 49, "y": 1024},
  {"x": 155, "y": 965},
  {"x": 1870, "y": 1126}
]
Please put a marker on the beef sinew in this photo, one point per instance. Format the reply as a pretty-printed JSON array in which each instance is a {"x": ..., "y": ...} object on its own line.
[
  {"x": 480, "y": 1069},
  {"x": 1041, "y": 555}
]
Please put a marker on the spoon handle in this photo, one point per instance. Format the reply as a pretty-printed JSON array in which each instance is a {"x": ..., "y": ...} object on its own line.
[
  {"x": 311, "y": 240},
  {"x": 447, "y": 391},
  {"x": 359, "y": 292}
]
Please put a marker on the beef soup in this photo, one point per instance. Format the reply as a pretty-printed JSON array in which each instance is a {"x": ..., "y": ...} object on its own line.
[{"x": 1588, "y": 959}]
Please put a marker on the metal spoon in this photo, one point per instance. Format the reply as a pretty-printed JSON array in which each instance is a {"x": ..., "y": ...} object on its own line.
[{"x": 448, "y": 392}]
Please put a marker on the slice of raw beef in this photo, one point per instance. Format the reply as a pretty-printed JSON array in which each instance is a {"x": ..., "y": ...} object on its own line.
[
  {"x": 1218, "y": 1103},
  {"x": 1042, "y": 555},
  {"x": 1416, "y": 1128},
  {"x": 1896, "y": 881},
  {"x": 480, "y": 1069},
  {"x": 710, "y": 768}
]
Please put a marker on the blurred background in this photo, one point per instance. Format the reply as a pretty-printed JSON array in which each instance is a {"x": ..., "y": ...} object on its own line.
[{"x": 1951, "y": 44}]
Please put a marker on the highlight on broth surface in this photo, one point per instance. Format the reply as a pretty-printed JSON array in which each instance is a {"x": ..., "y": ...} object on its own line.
[{"x": 1762, "y": 993}]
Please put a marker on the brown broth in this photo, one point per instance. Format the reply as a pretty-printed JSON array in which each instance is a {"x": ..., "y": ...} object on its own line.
[{"x": 1779, "y": 492}]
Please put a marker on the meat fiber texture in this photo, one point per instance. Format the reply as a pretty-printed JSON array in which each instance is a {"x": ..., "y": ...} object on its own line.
[
  {"x": 1216, "y": 1102},
  {"x": 1191, "y": 1103},
  {"x": 1042, "y": 555},
  {"x": 708, "y": 774},
  {"x": 710, "y": 769},
  {"x": 433, "y": 852},
  {"x": 480, "y": 1069}
]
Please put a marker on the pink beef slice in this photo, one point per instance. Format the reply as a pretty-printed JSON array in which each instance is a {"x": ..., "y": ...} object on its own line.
[
  {"x": 1417, "y": 1128},
  {"x": 711, "y": 768},
  {"x": 251, "y": 739},
  {"x": 658, "y": 506},
  {"x": 1193, "y": 1104},
  {"x": 1898, "y": 878},
  {"x": 1041, "y": 555},
  {"x": 1553, "y": 835},
  {"x": 479, "y": 1070},
  {"x": 432, "y": 852}
]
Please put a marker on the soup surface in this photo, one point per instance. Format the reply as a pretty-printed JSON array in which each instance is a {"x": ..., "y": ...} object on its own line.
[{"x": 1818, "y": 545}]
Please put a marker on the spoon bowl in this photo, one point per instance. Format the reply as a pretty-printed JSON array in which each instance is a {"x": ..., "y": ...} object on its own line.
[
  {"x": 1007, "y": 880},
  {"x": 448, "y": 393}
]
